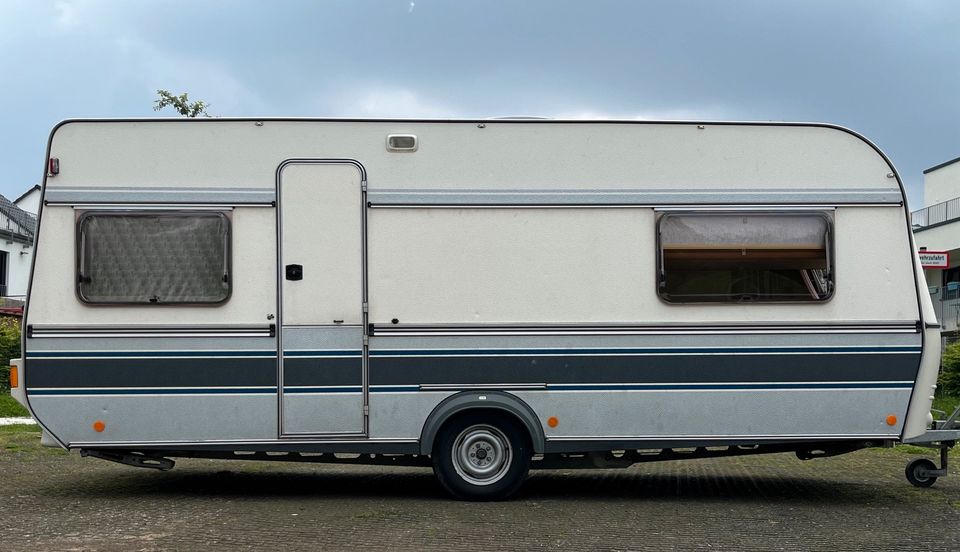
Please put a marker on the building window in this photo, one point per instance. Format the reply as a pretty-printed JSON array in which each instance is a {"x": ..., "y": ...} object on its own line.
[
  {"x": 154, "y": 257},
  {"x": 951, "y": 283},
  {"x": 745, "y": 257}
]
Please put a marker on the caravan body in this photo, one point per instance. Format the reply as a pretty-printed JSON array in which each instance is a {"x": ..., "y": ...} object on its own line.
[{"x": 215, "y": 287}]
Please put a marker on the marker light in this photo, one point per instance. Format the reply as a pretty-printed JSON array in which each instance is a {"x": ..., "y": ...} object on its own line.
[
  {"x": 14, "y": 377},
  {"x": 402, "y": 142},
  {"x": 891, "y": 420},
  {"x": 99, "y": 426},
  {"x": 54, "y": 166},
  {"x": 552, "y": 421}
]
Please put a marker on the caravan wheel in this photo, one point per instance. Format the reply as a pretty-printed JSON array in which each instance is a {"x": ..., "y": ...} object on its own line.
[
  {"x": 918, "y": 473},
  {"x": 481, "y": 456}
]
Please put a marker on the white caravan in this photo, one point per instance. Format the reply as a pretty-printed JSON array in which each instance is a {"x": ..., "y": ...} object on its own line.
[{"x": 481, "y": 296}]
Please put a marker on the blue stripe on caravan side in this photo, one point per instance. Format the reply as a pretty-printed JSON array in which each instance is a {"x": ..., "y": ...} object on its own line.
[{"x": 650, "y": 350}]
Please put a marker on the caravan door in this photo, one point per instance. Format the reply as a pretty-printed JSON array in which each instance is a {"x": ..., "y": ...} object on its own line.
[{"x": 323, "y": 379}]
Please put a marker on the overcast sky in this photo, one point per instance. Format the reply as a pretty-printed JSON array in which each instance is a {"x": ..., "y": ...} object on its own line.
[{"x": 888, "y": 69}]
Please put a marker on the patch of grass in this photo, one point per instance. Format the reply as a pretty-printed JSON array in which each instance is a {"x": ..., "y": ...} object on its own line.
[
  {"x": 24, "y": 439},
  {"x": 946, "y": 403},
  {"x": 20, "y": 428},
  {"x": 10, "y": 408},
  {"x": 949, "y": 380},
  {"x": 19, "y": 438}
]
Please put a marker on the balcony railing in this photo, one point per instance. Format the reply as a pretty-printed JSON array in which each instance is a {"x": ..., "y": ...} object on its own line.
[{"x": 939, "y": 213}]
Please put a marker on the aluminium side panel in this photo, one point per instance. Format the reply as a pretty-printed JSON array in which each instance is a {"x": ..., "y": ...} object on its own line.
[
  {"x": 553, "y": 265},
  {"x": 457, "y": 276},
  {"x": 153, "y": 372},
  {"x": 187, "y": 158},
  {"x": 231, "y": 158}
]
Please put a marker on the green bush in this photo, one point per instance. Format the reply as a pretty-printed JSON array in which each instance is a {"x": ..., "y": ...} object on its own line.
[
  {"x": 949, "y": 381},
  {"x": 9, "y": 348}
]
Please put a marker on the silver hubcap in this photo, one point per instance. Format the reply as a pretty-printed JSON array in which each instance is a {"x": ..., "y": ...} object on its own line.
[{"x": 481, "y": 454}]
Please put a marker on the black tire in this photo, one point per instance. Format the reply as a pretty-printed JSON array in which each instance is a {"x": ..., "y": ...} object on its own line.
[
  {"x": 482, "y": 456},
  {"x": 916, "y": 478}
]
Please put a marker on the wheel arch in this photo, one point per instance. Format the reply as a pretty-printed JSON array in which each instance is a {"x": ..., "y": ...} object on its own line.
[{"x": 467, "y": 401}]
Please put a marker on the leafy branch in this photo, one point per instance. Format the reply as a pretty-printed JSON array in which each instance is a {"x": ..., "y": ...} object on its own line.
[{"x": 181, "y": 104}]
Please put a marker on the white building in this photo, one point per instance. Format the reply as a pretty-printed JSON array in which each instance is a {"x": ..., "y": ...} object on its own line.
[
  {"x": 937, "y": 229},
  {"x": 18, "y": 221},
  {"x": 29, "y": 200}
]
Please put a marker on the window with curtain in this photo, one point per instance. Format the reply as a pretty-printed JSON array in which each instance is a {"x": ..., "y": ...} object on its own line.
[{"x": 728, "y": 257}]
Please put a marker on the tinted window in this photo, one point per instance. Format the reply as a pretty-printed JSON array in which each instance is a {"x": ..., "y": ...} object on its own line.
[{"x": 154, "y": 257}]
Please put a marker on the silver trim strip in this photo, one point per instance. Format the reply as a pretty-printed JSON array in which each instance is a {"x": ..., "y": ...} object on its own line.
[
  {"x": 630, "y": 197},
  {"x": 157, "y": 206},
  {"x": 752, "y": 209},
  {"x": 134, "y": 444},
  {"x": 482, "y": 386},
  {"x": 118, "y": 355},
  {"x": 706, "y": 329},
  {"x": 178, "y": 196},
  {"x": 708, "y": 351},
  {"x": 324, "y": 437},
  {"x": 803, "y": 436},
  {"x": 151, "y": 334},
  {"x": 41, "y": 332}
]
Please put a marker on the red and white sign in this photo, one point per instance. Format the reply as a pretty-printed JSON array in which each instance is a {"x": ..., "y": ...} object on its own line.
[{"x": 934, "y": 259}]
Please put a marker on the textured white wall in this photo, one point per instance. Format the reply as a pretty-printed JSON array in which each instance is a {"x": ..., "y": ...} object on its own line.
[
  {"x": 18, "y": 269},
  {"x": 501, "y": 155},
  {"x": 30, "y": 202},
  {"x": 54, "y": 299},
  {"x": 599, "y": 265},
  {"x": 941, "y": 185}
]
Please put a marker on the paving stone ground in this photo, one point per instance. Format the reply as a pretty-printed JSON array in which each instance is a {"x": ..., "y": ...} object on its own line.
[{"x": 52, "y": 500}]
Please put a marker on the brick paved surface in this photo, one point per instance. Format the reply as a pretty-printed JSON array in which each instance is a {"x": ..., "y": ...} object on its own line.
[{"x": 861, "y": 501}]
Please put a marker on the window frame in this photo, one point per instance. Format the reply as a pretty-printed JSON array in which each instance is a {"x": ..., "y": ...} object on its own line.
[
  {"x": 827, "y": 214},
  {"x": 82, "y": 216}
]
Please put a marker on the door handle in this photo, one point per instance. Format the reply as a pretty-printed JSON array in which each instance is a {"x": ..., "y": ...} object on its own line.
[{"x": 294, "y": 272}]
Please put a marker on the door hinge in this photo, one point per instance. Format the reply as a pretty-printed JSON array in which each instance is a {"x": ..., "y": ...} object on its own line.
[
  {"x": 365, "y": 307},
  {"x": 366, "y": 340},
  {"x": 363, "y": 185},
  {"x": 366, "y": 410}
]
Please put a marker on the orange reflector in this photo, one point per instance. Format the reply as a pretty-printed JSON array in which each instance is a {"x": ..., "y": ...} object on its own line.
[
  {"x": 891, "y": 420},
  {"x": 99, "y": 426},
  {"x": 552, "y": 421},
  {"x": 14, "y": 377}
]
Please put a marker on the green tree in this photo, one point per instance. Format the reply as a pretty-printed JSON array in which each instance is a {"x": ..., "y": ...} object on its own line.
[
  {"x": 181, "y": 104},
  {"x": 949, "y": 382}
]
